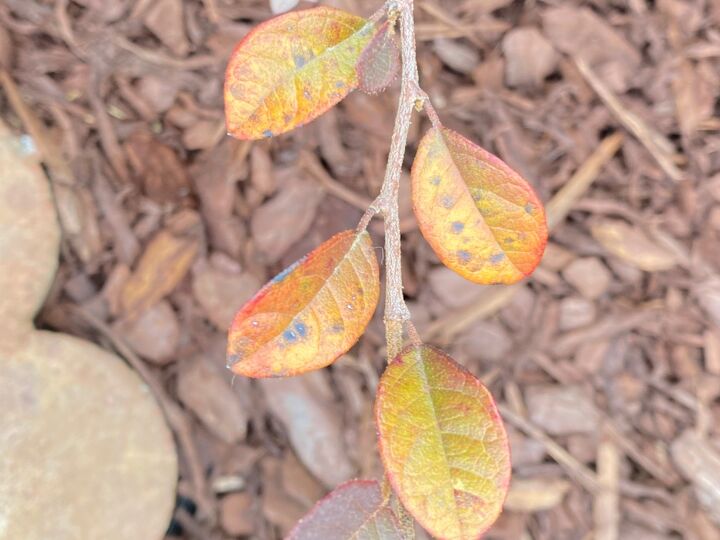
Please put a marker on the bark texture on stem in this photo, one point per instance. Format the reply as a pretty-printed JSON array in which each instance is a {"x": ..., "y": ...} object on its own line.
[{"x": 396, "y": 312}]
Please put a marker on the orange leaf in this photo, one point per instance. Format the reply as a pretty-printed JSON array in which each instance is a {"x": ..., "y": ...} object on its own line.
[
  {"x": 353, "y": 510},
  {"x": 291, "y": 69},
  {"x": 442, "y": 443},
  {"x": 481, "y": 218},
  {"x": 309, "y": 314}
]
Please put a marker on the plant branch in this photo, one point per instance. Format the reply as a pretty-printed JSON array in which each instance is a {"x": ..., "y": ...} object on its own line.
[{"x": 396, "y": 311}]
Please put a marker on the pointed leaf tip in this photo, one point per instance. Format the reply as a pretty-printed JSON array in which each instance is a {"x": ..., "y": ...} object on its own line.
[
  {"x": 309, "y": 314},
  {"x": 482, "y": 219},
  {"x": 442, "y": 443}
]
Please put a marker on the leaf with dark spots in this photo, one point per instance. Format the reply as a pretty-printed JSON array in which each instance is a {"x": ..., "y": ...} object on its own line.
[
  {"x": 497, "y": 231},
  {"x": 291, "y": 69},
  {"x": 309, "y": 314},
  {"x": 442, "y": 443}
]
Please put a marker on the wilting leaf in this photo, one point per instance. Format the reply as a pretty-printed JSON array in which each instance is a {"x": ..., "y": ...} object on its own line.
[
  {"x": 380, "y": 61},
  {"x": 442, "y": 443},
  {"x": 481, "y": 218},
  {"x": 309, "y": 314},
  {"x": 353, "y": 510},
  {"x": 291, "y": 69}
]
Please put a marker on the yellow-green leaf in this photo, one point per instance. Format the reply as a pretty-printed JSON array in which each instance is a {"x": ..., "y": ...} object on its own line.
[
  {"x": 291, "y": 69},
  {"x": 309, "y": 314},
  {"x": 442, "y": 443},
  {"x": 481, "y": 218},
  {"x": 355, "y": 510}
]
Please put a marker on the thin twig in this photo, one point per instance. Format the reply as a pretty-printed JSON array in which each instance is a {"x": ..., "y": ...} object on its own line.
[{"x": 396, "y": 312}]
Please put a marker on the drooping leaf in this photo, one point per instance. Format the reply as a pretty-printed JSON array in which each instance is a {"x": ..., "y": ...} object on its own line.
[
  {"x": 379, "y": 62},
  {"x": 442, "y": 443},
  {"x": 309, "y": 314},
  {"x": 354, "y": 510},
  {"x": 481, "y": 218},
  {"x": 291, "y": 69}
]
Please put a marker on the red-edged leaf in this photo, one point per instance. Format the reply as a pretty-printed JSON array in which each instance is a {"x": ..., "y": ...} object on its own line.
[
  {"x": 481, "y": 218},
  {"x": 442, "y": 443},
  {"x": 309, "y": 314},
  {"x": 355, "y": 510},
  {"x": 291, "y": 69},
  {"x": 379, "y": 63}
]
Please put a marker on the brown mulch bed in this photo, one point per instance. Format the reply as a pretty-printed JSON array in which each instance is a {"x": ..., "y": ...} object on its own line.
[{"x": 606, "y": 361}]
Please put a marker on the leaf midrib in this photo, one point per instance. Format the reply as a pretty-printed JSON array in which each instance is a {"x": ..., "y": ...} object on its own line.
[
  {"x": 426, "y": 387},
  {"x": 293, "y": 74},
  {"x": 326, "y": 282}
]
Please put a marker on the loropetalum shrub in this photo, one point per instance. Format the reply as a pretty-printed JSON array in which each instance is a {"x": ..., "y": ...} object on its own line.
[{"x": 441, "y": 439}]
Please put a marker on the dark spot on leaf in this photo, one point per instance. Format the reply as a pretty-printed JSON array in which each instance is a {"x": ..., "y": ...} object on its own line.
[
  {"x": 339, "y": 84},
  {"x": 300, "y": 328},
  {"x": 447, "y": 201},
  {"x": 289, "y": 335},
  {"x": 477, "y": 195},
  {"x": 498, "y": 257},
  {"x": 300, "y": 60},
  {"x": 464, "y": 256},
  {"x": 306, "y": 93},
  {"x": 267, "y": 133},
  {"x": 457, "y": 227},
  {"x": 529, "y": 208},
  {"x": 435, "y": 180},
  {"x": 337, "y": 328}
]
